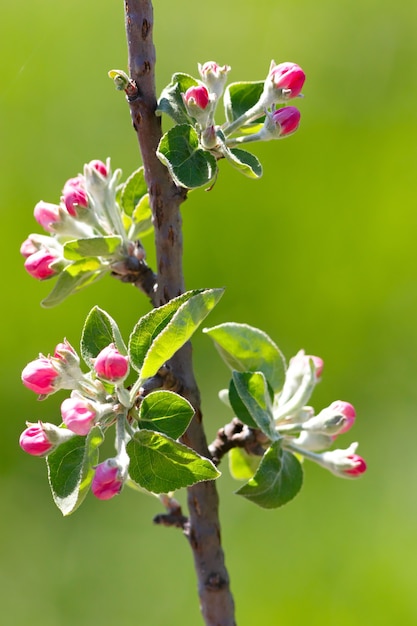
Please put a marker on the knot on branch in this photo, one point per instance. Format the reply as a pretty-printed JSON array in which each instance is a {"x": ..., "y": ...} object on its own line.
[
  {"x": 173, "y": 516},
  {"x": 134, "y": 269},
  {"x": 236, "y": 434}
]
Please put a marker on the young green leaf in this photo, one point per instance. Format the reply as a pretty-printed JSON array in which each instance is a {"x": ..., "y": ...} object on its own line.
[
  {"x": 244, "y": 348},
  {"x": 99, "y": 331},
  {"x": 71, "y": 469},
  {"x": 73, "y": 278},
  {"x": 91, "y": 247},
  {"x": 252, "y": 389},
  {"x": 133, "y": 191},
  {"x": 160, "y": 464},
  {"x": 163, "y": 331},
  {"x": 277, "y": 481},
  {"x": 238, "y": 406},
  {"x": 240, "y": 97},
  {"x": 171, "y": 102},
  {"x": 242, "y": 465},
  {"x": 141, "y": 219},
  {"x": 244, "y": 162},
  {"x": 189, "y": 165},
  {"x": 166, "y": 412}
]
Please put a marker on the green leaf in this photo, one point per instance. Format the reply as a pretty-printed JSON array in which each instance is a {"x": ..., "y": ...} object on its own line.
[
  {"x": 253, "y": 391},
  {"x": 71, "y": 469},
  {"x": 73, "y": 278},
  {"x": 133, "y": 190},
  {"x": 171, "y": 102},
  {"x": 240, "y": 97},
  {"x": 244, "y": 161},
  {"x": 142, "y": 219},
  {"x": 99, "y": 331},
  {"x": 242, "y": 465},
  {"x": 160, "y": 464},
  {"x": 91, "y": 247},
  {"x": 189, "y": 165},
  {"x": 166, "y": 412},
  {"x": 238, "y": 406},
  {"x": 159, "y": 334},
  {"x": 244, "y": 348},
  {"x": 277, "y": 480}
]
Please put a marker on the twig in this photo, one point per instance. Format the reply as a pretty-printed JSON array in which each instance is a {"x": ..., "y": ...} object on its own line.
[
  {"x": 237, "y": 435},
  {"x": 203, "y": 532}
]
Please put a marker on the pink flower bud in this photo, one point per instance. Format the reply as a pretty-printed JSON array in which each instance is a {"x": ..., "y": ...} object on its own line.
[
  {"x": 46, "y": 214},
  {"x": 214, "y": 76},
  {"x": 197, "y": 96},
  {"x": 288, "y": 76},
  {"x": 74, "y": 195},
  {"x": 28, "y": 248},
  {"x": 359, "y": 466},
  {"x": 111, "y": 365},
  {"x": 78, "y": 414},
  {"x": 287, "y": 119},
  {"x": 41, "y": 376},
  {"x": 39, "y": 264},
  {"x": 318, "y": 364},
  {"x": 63, "y": 349},
  {"x": 107, "y": 480},
  {"x": 100, "y": 167},
  {"x": 347, "y": 411},
  {"x": 34, "y": 440}
]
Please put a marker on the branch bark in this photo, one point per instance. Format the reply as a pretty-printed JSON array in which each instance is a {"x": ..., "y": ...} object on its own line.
[{"x": 203, "y": 528}]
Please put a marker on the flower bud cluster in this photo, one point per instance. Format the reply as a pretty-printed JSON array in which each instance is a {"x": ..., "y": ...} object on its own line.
[
  {"x": 96, "y": 400},
  {"x": 309, "y": 434},
  {"x": 87, "y": 209},
  {"x": 283, "y": 82}
]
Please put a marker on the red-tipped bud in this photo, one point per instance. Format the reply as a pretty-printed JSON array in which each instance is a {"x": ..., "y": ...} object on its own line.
[
  {"x": 344, "y": 463},
  {"x": 28, "y": 248},
  {"x": 78, "y": 414},
  {"x": 100, "y": 167},
  {"x": 346, "y": 411},
  {"x": 287, "y": 120},
  {"x": 62, "y": 350},
  {"x": 46, "y": 214},
  {"x": 107, "y": 481},
  {"x": 197, "y": 96},
  {"x": 74, "y": 195},
  {"x": 359, "y": 466},
  {"x": 34, "y": 440},
  {"x": 39, "y": 264},
  {"x": 288, "y": 76},
  {"x": 41, "y": 376},
  {"x": 111, "y": 365}
]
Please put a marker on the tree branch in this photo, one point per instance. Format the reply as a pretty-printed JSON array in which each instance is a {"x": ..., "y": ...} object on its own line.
[{"x": 203, "y": 528}]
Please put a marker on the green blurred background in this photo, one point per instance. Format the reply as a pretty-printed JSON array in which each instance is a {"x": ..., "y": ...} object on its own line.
[{"x": 320, "y": 253}]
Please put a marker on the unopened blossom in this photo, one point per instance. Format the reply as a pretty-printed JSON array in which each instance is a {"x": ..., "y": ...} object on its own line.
[
  {"x": 111, "y": 365},
  {"x": 287, "y": 76},
  {"x": 39, "y": 264},
  {"x": 78, "y": 414},
  {"x": 41, "y": 376},
  {"x": 286, "y": 120},
  {"x": 28, "y": 248},
  {"x": 214, "y": 76},
  {"x": 74, "y": 195},
  {"x": 344, "y": 463},
  {"x": 34, "y": 440},
  {"x": 107, "y": 481},
  {"x": 100, "y": 167},
  {"x": 196, "y": 96},
  {"x": 335, "y": 419},
  {"x": 46, "y": 214}
]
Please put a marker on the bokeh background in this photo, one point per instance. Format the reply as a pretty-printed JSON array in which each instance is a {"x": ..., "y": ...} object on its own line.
[{"x": 321, "y": 254}]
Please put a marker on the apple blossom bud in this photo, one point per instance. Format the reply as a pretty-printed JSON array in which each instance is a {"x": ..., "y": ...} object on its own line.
[
  {"x": 107, "y": 481},
  {"x": 111, "y": 365},
  {"x": 78, "y": 414},
  {"x": 346, "y": 411},
  {"x": 344, "y": 463},
  {"x": 28, "y": 248},
  {"x": 196, "y": 96},
  {"x": 66, "y": 353},
  {"x": 39, "y": 264},
  {"x": 41, "y": 376},
  {"x": 35, "y": 441},
  {"x": 286, "y": 120},
  {"x": 100, "y": 167},
  {"x": 287, "y": 76},
  {"x": 46, "y": 214},
  {"x": 74, "y": 195},
  {"x": 214, "y": 76}
]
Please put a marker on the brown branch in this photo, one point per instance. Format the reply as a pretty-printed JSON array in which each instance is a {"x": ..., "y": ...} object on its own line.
[
  {"x": 203, "y": 529},
  {"x": 237, "y": 435}
]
